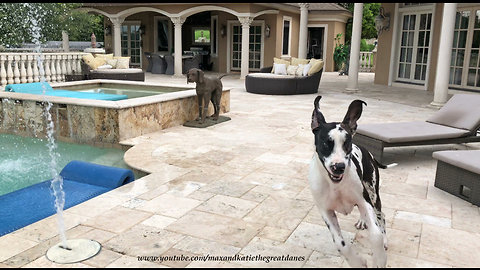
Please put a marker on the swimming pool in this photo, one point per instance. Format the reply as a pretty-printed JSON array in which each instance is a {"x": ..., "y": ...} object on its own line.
[{"x": 24, "y": 161}]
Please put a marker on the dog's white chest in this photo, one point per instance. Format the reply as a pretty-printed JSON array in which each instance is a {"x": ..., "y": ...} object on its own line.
[
  {"x": 342, "y": 203},
  {"x": 341, "y": 197}
]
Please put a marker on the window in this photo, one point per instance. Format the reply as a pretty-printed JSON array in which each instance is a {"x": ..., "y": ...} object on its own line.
[
  {"x": 255, "y": 46},
  {"x": 162, "y": 34},
  {"x": 414, "y": 47},
  {"x": 465, "y": 64},
  {"x": 287, "y": 27},
  {"x": 130, "y": 40}
]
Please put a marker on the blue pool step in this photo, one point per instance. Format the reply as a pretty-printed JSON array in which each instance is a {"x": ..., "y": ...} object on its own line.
[
  {"x": 81, "y": 182},
  {"x": 40, "y": 88}
]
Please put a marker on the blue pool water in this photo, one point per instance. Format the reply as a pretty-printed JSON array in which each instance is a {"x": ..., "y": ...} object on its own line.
[{"x": 24, "y": 161}]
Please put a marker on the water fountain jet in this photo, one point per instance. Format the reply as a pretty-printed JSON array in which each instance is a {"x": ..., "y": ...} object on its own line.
[{"x": 73, "y": 250}]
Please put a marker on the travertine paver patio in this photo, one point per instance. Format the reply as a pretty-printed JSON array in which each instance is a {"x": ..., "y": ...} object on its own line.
[{"x": 240, "y": 187}]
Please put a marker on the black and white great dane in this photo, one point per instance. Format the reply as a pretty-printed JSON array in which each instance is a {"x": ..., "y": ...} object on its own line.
[{"x": 343, "y": 175}]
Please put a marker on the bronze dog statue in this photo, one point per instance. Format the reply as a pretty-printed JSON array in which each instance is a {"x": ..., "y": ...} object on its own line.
[{"x": 208, "y": 89}]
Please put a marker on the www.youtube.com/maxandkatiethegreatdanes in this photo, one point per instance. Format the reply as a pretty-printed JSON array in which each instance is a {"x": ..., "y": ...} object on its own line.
[{"x": 233, "y": 258}]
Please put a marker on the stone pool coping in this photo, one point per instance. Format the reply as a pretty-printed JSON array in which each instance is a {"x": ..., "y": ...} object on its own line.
[{"x": 120, "y": 104}]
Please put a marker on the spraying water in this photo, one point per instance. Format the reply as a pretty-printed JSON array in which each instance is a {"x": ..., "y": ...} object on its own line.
[{"x": 57, "y": 181}]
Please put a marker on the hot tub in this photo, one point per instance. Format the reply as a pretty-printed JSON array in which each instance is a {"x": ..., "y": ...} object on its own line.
[{"x": 102, "y": 122}]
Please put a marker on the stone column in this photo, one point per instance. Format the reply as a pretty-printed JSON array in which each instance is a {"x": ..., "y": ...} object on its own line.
[
  {"x": 117, "y": 36},
  {"x": 355, "y": 48},
  {"x": 65, "y": 41},
  {"x": 178, "y": 22},
  {"x": 245, "y": 21},
  {"x": 303, "y": 33},
  {"x": 442, "y": 75}
]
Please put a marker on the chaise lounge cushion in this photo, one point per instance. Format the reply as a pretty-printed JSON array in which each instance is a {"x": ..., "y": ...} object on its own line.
[
  {"x": 409, "y": 131},
  {"x": 466, "y": 159},
  {"x": 461, "y": 111},
  {"x": 117, "y": 70}
]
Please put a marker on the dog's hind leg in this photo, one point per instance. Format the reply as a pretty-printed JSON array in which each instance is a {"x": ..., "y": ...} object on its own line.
[
  {"x": 346, "y": 249},
  {"x": 377, "y": 235}
]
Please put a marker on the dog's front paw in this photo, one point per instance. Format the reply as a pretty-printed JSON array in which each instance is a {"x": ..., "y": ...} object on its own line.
[{"x": 361, "y": 225}]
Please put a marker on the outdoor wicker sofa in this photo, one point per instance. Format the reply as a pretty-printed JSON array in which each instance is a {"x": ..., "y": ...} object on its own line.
[
  {"x": 130, "y": 74},
  {"x": 273, "y": 84},
  {"x": 458, "y": 121},
  {"x": 458, "y": 173}
]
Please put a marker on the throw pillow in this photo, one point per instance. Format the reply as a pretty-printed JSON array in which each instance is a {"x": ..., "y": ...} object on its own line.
[
  {"x": 306, "y": 68},
  {"x": 106, "y": 66},
  {"x": 112, "y": 62},
  {"x": 280, "y": 69},
  {"x": 105, "y": 56},
  {"x": 296, "y": 61},
  {"x": 291, "y": 70},
  {"x": 316, "y": 66},
  {"x": 300, "y": 70},
  {"x": 93, "y": 62},
  {"x": 279, "y": 61},
  {"x": 122, "y": 62}
]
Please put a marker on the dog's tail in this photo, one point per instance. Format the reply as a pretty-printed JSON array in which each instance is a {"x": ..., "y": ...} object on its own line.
[
  {"x": 383, "y": 166},
  {"x": 221, "y": 76}
]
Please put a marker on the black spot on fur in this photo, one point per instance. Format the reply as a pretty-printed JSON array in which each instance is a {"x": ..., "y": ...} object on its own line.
[{"x": 343, "y": 243}]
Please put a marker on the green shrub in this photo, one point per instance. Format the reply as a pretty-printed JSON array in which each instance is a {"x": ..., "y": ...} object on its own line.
[
  {"x": 364, "y": 47},
  {"x": 340, "y": 53}
]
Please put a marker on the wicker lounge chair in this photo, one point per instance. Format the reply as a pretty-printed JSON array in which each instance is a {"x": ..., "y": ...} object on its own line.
[
  {"x": 159, "y": 66},
  {"x": 458, "y": 173},
  {"x": 170, "y": 64},
  {"x": 148, "y": 56},
  {"x": 457, "y": 122}
]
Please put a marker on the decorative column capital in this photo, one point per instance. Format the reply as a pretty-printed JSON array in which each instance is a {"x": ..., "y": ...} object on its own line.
[
  {"x": 304, "y": 6},
  {"x": 117, "y": 21},
  {"x": 245, "y": 21},
  {"x": 178, "y": 21}
]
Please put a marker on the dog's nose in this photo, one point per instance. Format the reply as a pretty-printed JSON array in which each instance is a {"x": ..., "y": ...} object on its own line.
[{"x": 338, "y": 168}]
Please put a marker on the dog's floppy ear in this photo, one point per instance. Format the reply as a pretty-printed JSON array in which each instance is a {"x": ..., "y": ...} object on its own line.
[
  {"x": 200, "y": 75},
  {"x": 353, "y": 114},
  {"x": 317, "y": 116}
]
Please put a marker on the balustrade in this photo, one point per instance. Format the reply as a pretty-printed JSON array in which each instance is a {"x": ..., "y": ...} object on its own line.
[{"x": 23, "y": 67}]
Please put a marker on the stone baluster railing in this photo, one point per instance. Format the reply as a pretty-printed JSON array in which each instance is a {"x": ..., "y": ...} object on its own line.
[
  {"x": 366, "y": 61},
  {"x": 3, "y": 71},
  {"x": 23, "y": 67},
  {"x": 23, "y": 70},
  {"x": 9, "y": 69},
  {"x": 53, "y": 69},
  {"x": 36, "y": 73},
  {"x": 16, "y": 71},
  {"x": 46, "y": 66},
  {"x": 29, "y": 68}
]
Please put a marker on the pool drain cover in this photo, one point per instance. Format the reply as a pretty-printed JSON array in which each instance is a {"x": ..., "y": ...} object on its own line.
[{"x": 78, "y": 250}]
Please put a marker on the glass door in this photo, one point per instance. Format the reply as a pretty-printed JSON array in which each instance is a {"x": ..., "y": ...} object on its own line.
[
  {"x": 465, "y": 63},
  {"x": 255, "y": 47},
  {"x": 131, "y": 43},
  {"x": 414, "y": 47}
]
